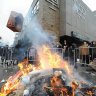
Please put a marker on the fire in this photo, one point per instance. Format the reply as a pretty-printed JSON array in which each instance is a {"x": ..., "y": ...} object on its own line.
[
  {"x": 25, "y": 68},
  {"x": 58, "y": 87},
  {"x": 90, "y": 93},
  {"x": 14, "y": 81},
  {"x": 49, "y": 59}
]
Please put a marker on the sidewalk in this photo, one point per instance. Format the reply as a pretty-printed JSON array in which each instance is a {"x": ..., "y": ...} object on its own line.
[
  {"x": 87, "y": 73},
  {"x": 7, "y": 72}
]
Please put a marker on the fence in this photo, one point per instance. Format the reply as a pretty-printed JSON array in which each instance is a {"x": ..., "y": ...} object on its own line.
[
  {"x": 84, "y": 55},
  {"x": 6, "y": 52},
  {"x": 32, "y": 54},
  {"x": 6, "y": 57}
]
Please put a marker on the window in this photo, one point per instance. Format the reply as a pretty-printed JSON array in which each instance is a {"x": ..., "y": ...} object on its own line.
[
  {"x": 35, "y": 8},
  {"x": 79, "y": 9},
  {"x": 37, "y": 5},
  {"x": 53, "y": 2}
]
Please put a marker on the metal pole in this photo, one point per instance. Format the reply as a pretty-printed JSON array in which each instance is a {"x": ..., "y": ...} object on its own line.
[{"x": 74, "y": 57}]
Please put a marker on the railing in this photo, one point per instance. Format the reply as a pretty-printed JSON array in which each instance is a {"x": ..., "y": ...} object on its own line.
[
  {"x": 81, "y": 55},
  {"x": 84, "y": 55},
  {"x": 32, "y": 53},
  {"x": 6, "y": 57},
  {"x": 8, "y": 63}
]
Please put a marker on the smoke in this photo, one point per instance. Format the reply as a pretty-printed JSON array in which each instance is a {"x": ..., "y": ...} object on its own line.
[
  {"x": 77, "y": 77},
  {"x": 36, "y": 35}
]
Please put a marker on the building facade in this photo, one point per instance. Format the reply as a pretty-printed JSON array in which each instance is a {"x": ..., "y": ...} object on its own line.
[
  {"x": 47, "y": 12},
  {"x": 64, "y": 17},
  {"x": 80, "y": 20}
]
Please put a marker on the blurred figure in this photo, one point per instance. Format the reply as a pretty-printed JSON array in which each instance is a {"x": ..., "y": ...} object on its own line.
[
  {"x": 6, "y": 52},
  {"x": 93, "y": 50},
  {"x": 65, "y": 49},
  {"x": 84, "y": 52},
  {"x": 59, "y": 46},
  {"x": 72, "y": 52}
]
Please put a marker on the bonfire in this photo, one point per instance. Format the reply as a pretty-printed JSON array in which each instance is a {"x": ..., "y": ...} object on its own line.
[{"x": 48, "y": 60}]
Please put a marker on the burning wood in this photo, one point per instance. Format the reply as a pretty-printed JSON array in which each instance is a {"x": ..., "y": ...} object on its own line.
[
  {"x": 57, "y": 85},
  {"x": 14, "y": 81},
  {"x": 91, "y": 91},
  {"x": 57, "y": 91}
]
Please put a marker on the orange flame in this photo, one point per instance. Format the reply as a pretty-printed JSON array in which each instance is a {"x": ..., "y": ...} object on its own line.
[
  {"x": 14, "y": 81},
  {"x": 90, "y": 93},
  {"x": 47, "y": 58}
]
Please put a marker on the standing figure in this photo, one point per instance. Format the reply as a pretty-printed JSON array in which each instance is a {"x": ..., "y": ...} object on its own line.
[
  {"x": 59, "y": 47},
  {"x": 65, "y": 49},
  {"x": 84, "y": 52}
]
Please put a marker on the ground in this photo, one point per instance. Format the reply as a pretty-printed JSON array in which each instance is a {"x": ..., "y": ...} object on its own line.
[{"x": 86, "y": 72}]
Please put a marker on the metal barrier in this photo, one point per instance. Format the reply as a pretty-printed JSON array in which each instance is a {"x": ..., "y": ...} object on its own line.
[
  {"x": 32, "y": 54},
  {"x": 6, "y": 57},
  {"x": 7, "y": 60},
  {"x": 6, "y": 52},
  {"x": 84, "y": 55},
  {"x": 58, "y": 51}
]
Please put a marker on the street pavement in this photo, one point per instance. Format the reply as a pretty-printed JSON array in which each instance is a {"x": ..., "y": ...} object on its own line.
[
  {"x": 85, "y": 72},
  {"x": 5, "y": 73}
]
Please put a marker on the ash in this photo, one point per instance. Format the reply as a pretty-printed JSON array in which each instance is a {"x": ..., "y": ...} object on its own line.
[
  {"x": 39, "y": 84},
  {"x": 43, "y": 87}
]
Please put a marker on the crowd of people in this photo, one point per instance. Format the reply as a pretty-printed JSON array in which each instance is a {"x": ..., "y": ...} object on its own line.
[
  {"x": 6, "y": 56},
  {"x": 66, "y": 49},
  {"x": 85, "y": 52},
  {"x": 88, "y": 51}
]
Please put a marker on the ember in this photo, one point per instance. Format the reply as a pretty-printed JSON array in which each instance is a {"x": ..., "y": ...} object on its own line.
[
  {"x": 89, "y": 91},
  {"x": 58, "y": 87}
]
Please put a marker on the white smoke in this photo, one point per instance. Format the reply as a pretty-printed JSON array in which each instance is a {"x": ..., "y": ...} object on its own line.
[{"x": 36, "y": 35}]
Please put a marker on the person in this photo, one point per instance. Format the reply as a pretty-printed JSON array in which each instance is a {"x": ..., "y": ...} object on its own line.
[
  {"x": 84, "y": 52},
  {"x": 6, "y": 52},
  {"x": 58, "y": 46},
  {"x": 65, "y": 49},
  {"x": 72, "y": 52},
  {"x": 93, "y": 50}
]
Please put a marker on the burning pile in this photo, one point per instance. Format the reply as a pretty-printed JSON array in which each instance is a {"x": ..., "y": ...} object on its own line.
[
  {"x": 14, "y": 81},
  {"x": 57, "y": 86}
]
